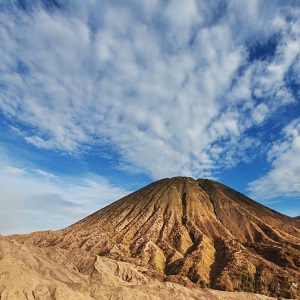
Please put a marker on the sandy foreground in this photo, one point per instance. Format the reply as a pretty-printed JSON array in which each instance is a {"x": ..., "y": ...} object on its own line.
[{"x": 53, "y": 273}]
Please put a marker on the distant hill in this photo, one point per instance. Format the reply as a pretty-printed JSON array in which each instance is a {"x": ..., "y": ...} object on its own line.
[
  {"x": 199, "y": 233},
  {"x": 298, "y": 218}
]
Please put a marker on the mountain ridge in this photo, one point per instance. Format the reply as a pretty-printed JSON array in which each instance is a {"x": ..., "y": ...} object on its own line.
[{"x": 194, "y": 232}]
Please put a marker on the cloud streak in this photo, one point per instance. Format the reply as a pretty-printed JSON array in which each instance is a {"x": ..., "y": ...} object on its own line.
[
  {"x": 283, "y": 179},
  {"x": 172, "y": 90},
  {"x": 34, "y": 199}
]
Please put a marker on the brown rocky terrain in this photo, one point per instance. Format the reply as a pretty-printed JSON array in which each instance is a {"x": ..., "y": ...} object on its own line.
[
  {"x": 29, "y": 272},
  {"x": 198, "y": 233}
]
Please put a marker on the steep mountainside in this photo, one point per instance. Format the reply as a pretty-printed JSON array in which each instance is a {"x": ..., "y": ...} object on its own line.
[{"x": 193, "y": 232}]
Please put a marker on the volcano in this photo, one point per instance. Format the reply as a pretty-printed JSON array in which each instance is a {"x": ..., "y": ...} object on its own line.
[{"x": 198, "y": 233}]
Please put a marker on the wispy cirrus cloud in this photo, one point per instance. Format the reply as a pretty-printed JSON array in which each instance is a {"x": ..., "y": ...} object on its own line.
[
  {"x": 283, "y": 179},
  {"x": 35, "y": 199},
  {"x": 172, "y": 90}
]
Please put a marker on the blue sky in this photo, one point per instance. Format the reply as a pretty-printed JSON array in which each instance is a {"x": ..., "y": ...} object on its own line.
[{"x": 99, "y": 98}]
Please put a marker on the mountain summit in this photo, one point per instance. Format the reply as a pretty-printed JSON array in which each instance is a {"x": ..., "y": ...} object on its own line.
[{"x": 193, "y": 232}]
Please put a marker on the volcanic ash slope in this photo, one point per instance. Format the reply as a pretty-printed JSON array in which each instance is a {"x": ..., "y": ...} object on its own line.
[
  {"x": 29, "y": 272},
  {"x": 198, "y": 233}
]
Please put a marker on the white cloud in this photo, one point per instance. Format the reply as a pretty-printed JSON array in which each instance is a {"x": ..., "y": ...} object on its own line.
[
  {"x": 180, "y": 18},
  {"x": 34, "y": 199},
  {"x": 13, "y": 170},
  {"x": 260, "y": 113},
  {"x": 153, "y": 80},
  {"x": 284, "y": 177},
  {"x": 45, "y": 174}
]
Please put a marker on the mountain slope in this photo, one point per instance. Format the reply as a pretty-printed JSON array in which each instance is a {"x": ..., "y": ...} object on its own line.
[
  {"x": 194, "y": 232},
  {"x": 55, "y": 273}
]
